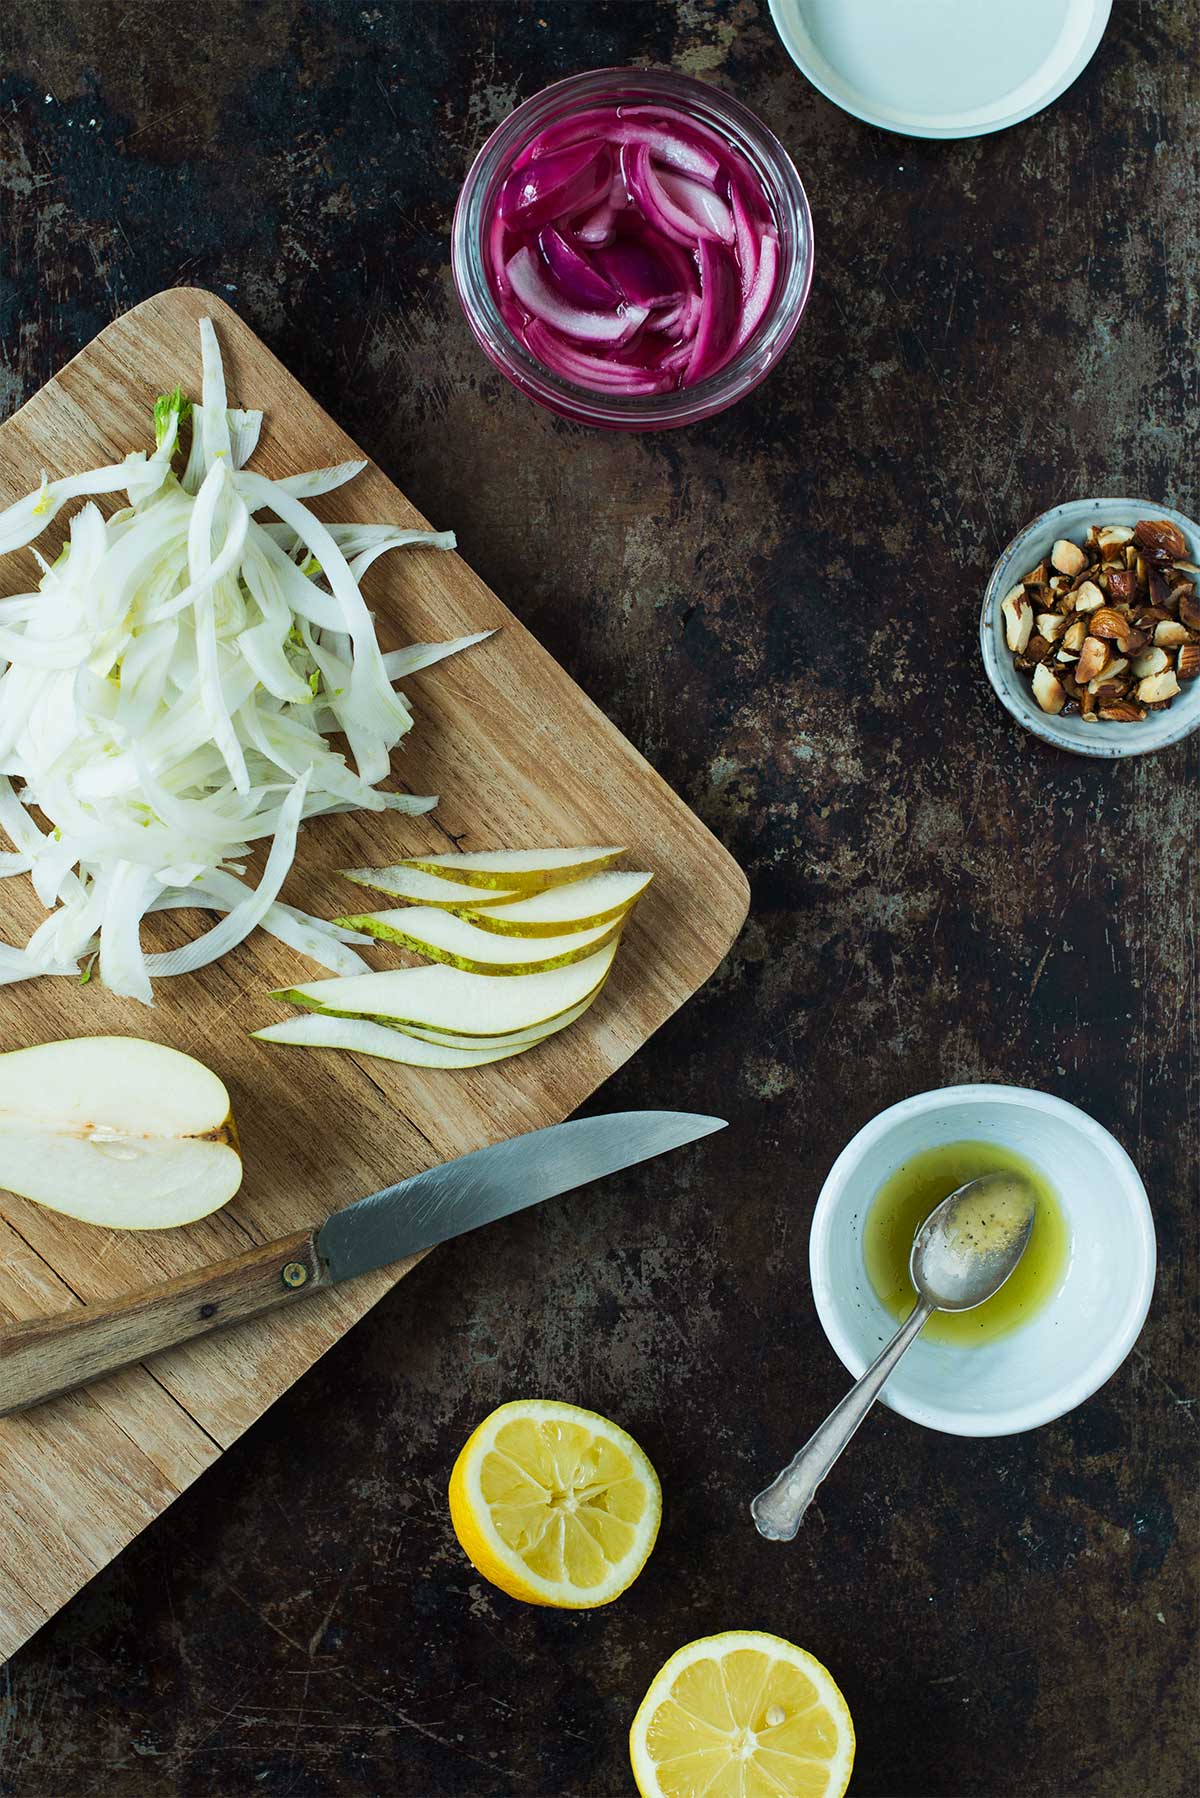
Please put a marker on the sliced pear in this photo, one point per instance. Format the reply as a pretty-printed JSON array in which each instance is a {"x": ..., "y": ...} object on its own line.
[
  {"x": 116, "y": 1131},
  {"x": 512, "y": 1039},
  {"x": 528, "y": 870},
  {"x": 413, "y": 887},
  {"x": 444, "y": 936},
  {"x": 453, "y": 1003},
  {"x": 578, "y": 905},
  {"x": 322, "y": 1030}
]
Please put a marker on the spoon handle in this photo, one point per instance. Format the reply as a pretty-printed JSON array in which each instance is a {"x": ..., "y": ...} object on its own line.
[{"x": 779, "y": 1509}]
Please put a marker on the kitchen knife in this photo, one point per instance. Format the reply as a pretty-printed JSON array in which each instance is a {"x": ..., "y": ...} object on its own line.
[{"x": 49, "y": 1355}]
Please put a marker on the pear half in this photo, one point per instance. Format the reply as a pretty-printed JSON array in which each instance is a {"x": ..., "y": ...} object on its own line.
[
  {"x": 452, "y": 1003},
  {"x": 116, "y": 1131},
  {"x": 444, "y": 936},
  {"x": 576, "y": 905},
  {"x": 528, "y": 870}
]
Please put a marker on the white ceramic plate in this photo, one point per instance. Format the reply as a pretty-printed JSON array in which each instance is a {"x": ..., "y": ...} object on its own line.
[
  {"x": 1080, "y": 1336},
  {"x": 1015, "y": 690},
  {"x": 941, "y": 68}
]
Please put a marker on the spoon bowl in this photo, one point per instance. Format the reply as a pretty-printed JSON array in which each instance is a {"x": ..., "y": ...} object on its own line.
[{"x": 970, "y": 1244}]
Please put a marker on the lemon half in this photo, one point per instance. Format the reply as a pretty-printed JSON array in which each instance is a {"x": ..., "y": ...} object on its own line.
[
  {"x": 742, "y": 1715},
  {"x": 555, "y": 1505}
]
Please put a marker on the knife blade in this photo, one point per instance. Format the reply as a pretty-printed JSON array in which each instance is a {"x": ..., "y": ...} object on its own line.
[
  {"x": 53, "y": 1354},
  {"x": 491, "y": 1183}
]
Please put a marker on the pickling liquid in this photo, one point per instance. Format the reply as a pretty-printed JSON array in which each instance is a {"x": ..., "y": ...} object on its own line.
[{"x": 906, "y": 1199}]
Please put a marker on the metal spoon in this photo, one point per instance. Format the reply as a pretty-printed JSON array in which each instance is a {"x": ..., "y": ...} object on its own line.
[{"x": 963, "y": 1253}]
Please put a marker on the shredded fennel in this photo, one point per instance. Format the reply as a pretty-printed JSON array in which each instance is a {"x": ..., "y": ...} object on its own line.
[{"x": 167, "y": 696}]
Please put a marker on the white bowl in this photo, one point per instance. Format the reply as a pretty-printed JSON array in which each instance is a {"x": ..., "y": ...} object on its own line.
[
  {"x": 1075, "y": 1342},
  {"x": 941, "y": 68},
  {"x": 1015, "y": 690}
]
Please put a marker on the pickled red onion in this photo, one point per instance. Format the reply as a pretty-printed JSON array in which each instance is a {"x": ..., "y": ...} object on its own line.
[
  {"x": 574, "y": 273},
  {"x": 718, "y": 320},
  {"x": 558, "y": 186},
  {"x": 528, "y": 280},
  {"x": 632, "y": 249},
  {"x": 706, "y": 210},
  {"x": 598, "y": 226},
  {"x": 674, "y": 141},
  {"x": 758, "y": 296}
]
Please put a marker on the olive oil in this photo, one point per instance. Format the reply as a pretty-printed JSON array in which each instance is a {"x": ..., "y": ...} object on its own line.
[{"x": 905, "y": 1200}]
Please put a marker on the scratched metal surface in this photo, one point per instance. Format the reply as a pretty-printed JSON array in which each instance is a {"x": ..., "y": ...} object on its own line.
[
  {"x": 494, "y": 1182},
  {"x": 779, "y": 608}
]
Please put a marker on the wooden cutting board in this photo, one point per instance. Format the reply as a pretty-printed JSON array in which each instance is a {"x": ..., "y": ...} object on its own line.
[{"x": 520, "y": 757}]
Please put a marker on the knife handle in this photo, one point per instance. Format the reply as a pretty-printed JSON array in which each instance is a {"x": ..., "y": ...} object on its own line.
[{"x": 49, "y": 1355}]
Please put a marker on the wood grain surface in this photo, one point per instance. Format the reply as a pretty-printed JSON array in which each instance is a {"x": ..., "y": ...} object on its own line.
[
  {"x": 50, "y": 1355},
  {"x": 519, "y": 756}
]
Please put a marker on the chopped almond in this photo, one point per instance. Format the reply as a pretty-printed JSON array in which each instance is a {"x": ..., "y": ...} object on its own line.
[
  {"x": 1051, "y": 625},
  {"x": 1115, "y": 669},
  {"x": 1018, "y": 620},
  {"x": 1122, "y": 711},
  {"x": 1189, "y": 611},
  {"x": 1107, "y": 623},
  {"x": 1092, "y": 658},
  {"x": 1160, "y": 592},
  {"x": 1154, "y": 688},
  {"x": 1170, "y": 631},
  {"x": 1067, "y": 557},
  {"x": 1151, "y": 661},
  {"x": 1047, "y": 690},
  {"x": 1159, "y": 540}
]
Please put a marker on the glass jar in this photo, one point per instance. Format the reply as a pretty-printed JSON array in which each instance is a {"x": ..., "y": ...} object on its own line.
[{"x": 767, "y": 158}]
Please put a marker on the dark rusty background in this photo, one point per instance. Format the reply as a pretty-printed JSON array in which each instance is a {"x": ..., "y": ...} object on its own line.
[{"x": 779, "y": 607}]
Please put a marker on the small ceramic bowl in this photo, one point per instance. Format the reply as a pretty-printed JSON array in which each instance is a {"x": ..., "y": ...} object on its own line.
[
  {"x": 1077, "y": 1340},
  {"x": 1015, "y": 690}
]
